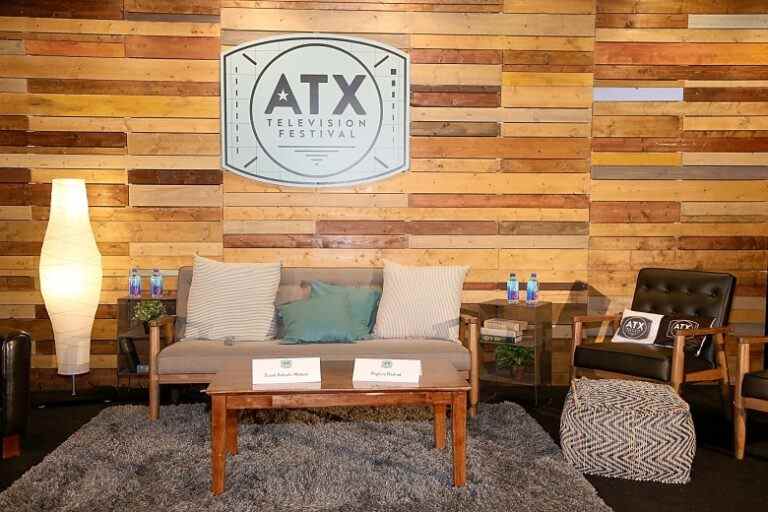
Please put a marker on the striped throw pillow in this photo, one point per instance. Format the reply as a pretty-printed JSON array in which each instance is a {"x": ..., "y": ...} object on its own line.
[
  {"x": 420, "y": 302},
  {"x": 232, "y": 301}
]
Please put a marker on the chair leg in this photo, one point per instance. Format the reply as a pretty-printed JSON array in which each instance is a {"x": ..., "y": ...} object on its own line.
[
  {"x": 725, "y": 385},
  {"x": 154, "y": 399},
  {"x": 11, "y": 446},
  {"x": 739, "y": 431}
]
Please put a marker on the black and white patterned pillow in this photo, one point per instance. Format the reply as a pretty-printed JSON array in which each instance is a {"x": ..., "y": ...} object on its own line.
[
  {"x": 638, "y": 327},
  {"x": 670, "y": 324}
]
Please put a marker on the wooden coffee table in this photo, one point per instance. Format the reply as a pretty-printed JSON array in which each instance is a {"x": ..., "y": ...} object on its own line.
[{"x": 440, "y": 385}]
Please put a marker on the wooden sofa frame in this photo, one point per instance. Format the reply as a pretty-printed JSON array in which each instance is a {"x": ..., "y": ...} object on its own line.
[
  {"x": 166, "y": 326},
  {"x": 679, "y": 376}
]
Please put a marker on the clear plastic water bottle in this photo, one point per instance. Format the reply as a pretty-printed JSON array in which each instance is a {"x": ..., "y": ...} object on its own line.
[
  {"x": 156, "y": 284},
  {"x": 513, "y": 289},
  {"x": 532, "y": 291},
  {"x": 134, "y": 283}
]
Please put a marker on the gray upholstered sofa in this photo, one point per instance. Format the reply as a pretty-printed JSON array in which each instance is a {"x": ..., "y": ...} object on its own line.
[{"x": 197, "y": 361}]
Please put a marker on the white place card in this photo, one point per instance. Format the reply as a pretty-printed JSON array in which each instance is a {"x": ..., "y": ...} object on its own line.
[
  {"x": 387, "y": 370},
  {"x": 286, "y": 370}
]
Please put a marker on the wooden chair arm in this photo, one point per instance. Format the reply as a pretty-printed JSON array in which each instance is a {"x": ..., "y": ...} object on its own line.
[
  {"x": 687, "y": 333},
  {"x": 753, "y": 340},
  {"x": 587, "y": 319}
]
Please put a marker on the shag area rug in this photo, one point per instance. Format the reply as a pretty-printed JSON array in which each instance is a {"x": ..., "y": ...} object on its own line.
[{"x": 358, "y": 459}]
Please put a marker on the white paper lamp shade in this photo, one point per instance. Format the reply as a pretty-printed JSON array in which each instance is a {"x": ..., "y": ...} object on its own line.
[{"x": 70, "y": 275}]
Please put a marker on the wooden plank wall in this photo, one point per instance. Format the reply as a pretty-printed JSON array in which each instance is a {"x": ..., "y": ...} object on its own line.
[
  {"x": 680, "y": 147},
  {"x": 124, "y": 93},
  {"x": 501, "y": 97}
]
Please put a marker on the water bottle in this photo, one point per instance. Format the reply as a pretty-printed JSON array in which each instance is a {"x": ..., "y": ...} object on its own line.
[
  {"x": 134, "y": 283},
  {"x": 156, "y": 284},
  {"x": 513, "y": 289},
  {"x": 532, "y": 291}
]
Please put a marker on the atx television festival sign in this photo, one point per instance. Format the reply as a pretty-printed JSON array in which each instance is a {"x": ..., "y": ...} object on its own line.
[{"x": 315, "y": 110}]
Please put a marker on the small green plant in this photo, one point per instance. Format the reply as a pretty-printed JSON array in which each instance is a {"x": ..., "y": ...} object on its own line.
[
  {"x": 148, "y": 310},
  {"x": 513, "y": 356}
]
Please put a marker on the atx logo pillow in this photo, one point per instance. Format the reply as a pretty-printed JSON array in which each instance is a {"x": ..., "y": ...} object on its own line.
[{"x": 638, "y": 327}]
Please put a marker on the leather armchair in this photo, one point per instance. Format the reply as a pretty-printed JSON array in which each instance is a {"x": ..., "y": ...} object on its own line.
[
  {"x": 751, "y": 392},
  {"x": 15, "y": 358},
  {"x": 662, "y": 291}
]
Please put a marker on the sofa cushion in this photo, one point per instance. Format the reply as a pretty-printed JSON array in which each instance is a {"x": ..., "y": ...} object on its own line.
[
  {"x": 755, "y": 385},
  {"x": 206, "y": 356},
  {"x": 320, "y": 320},
  {"x": 649, "y": 361},
  {"x": 234, "y": 301}
]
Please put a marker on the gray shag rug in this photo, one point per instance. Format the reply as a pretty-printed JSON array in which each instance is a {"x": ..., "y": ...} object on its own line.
[{"x": 309, "y": 460}]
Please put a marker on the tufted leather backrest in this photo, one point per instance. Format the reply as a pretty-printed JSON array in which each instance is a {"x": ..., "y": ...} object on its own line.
[{"x": 689, "y": 292}]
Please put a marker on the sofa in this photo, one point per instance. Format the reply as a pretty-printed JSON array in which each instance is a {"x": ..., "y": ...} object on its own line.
[
  {"x": 15, "y": 357},
  {"x": 173, "y": 359}
]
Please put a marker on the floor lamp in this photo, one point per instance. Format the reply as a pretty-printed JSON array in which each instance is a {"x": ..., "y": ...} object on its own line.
[{"x": 70, "y": 276}]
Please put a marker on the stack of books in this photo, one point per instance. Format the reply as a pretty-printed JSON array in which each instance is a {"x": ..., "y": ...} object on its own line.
[{"x": 502, "y": 330}]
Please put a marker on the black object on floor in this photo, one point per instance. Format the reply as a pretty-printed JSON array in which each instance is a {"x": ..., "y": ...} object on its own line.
[{"x": 719, "y": 482}]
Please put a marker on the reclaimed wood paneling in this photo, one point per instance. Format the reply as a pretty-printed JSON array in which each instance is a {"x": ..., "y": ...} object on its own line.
[
  {"x": 679, "y": 181},
  {"x": 520, "y": 160}
]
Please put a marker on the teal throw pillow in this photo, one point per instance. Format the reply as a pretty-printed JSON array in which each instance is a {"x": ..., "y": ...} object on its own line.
[
  {"x": 364, "y": 301},
  {"x": 325, "y": 319}
]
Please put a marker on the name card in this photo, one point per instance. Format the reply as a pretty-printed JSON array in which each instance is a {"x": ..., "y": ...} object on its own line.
[
  {"x": 387, "y": 370},
  {"x": 286, "y": 370}
]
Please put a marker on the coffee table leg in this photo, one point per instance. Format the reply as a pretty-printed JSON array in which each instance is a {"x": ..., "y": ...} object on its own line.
[
  {"x": 232, "y": 427},
  {"x": 439, "y": 425},
  {"x": 459, "y": 435},
  {"x": 218, "y": 442}
]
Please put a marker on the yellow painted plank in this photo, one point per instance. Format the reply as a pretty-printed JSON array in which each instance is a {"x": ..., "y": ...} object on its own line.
[
  {"x": 724, "y": 208},
  {"x": 317, "y": 199},
  {"x": 17, "y": 311}
]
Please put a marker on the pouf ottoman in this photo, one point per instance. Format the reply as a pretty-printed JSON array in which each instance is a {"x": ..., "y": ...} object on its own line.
[{"x": 628, "y": 429}]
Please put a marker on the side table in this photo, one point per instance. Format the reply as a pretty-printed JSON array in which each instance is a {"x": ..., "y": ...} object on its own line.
[
  {"x": 537, "y": 337},
  {"x": 132, "y": 332}
]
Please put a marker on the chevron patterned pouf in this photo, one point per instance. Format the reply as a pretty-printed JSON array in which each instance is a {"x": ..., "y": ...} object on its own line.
[{"x": 628, "y": 429}]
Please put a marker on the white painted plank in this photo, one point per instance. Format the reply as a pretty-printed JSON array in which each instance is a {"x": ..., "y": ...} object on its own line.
[{"x": 638, "y": 94}]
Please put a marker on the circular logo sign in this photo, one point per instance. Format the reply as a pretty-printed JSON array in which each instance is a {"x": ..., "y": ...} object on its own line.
[{"x": 315, "y": 110}]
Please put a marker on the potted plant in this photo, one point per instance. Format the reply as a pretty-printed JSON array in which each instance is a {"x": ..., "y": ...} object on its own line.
[
  {"x": 514, "y": 358},
  {"x": 148, "y": 310}
]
